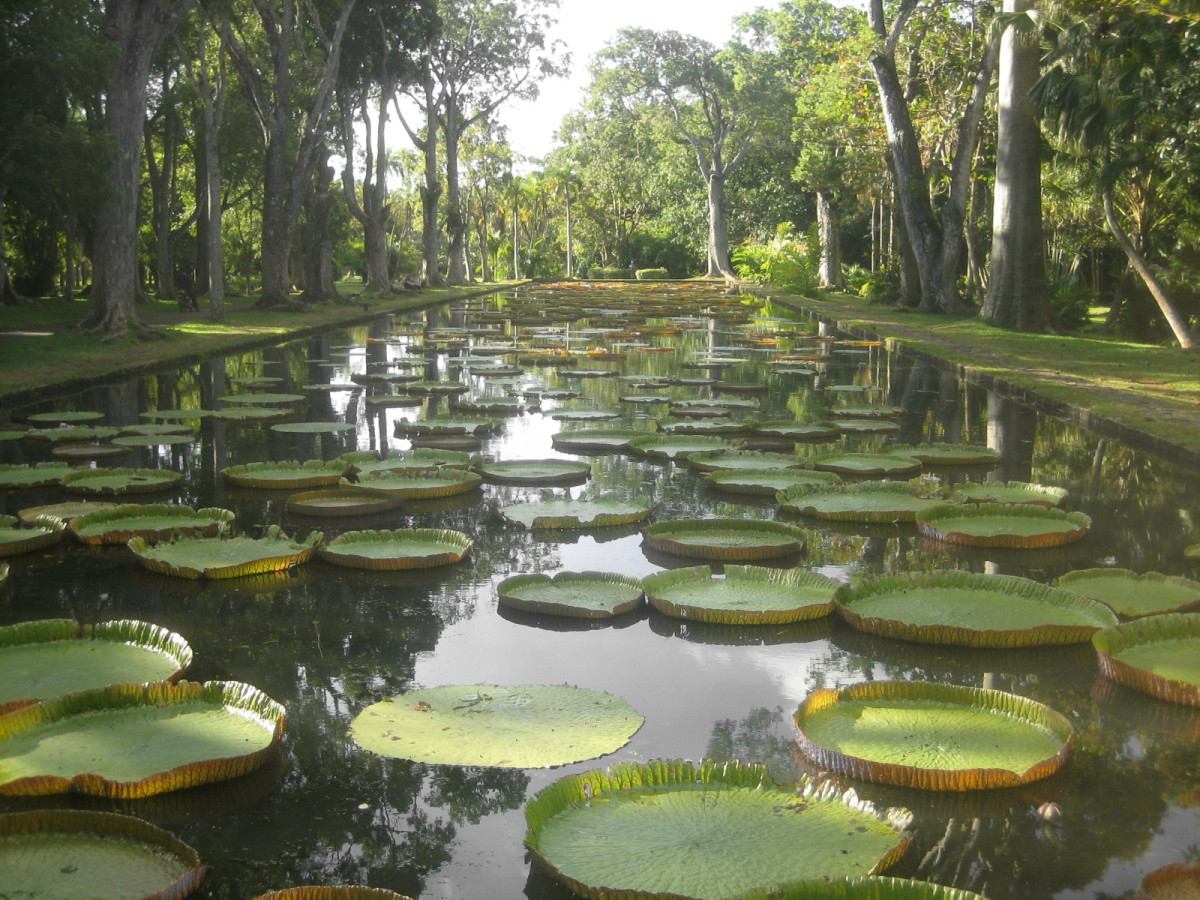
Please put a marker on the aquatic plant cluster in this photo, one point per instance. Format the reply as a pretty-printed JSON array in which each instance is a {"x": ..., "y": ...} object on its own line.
[{"x": 692, "y": 425}]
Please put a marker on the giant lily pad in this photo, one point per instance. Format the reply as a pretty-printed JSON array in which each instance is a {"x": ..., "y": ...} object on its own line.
[
  {"x": 584, "y": 595},
  {"x": 341, "y": 892},
  {"x": 421, "y": 485},
  {"x": 448, "y": 426},
  {"x": 1003, "y": 525},
  {"x": 667, "y": 446},
  {"x": 746, "y": 595},
  {"x": 1157, "y": 655},
  {"x": 175, "y": 415},
  {"x": 72, "y": 433},
  {"x": 867, "y": 887},
  {"x": 768, "y": 482},
  {"x": 346, "y": 500},
  {"x": 729, "y": 540},
  {"x": 152, "y": 523},
  {"x": 1174, "y": 881},
  {"x": 81, "y": 855},
  {"x": 66, "y": 416},
  {"x": 866, "y": 501},
  {"x": 226, "y": 557},
  {"x": 575, "y": 514},
  {"x": 33, "y": 476},
  {"x": 430, "y": 388},
  {"x": 420, "y": 459},
  {"x": 134, "y": 740},
  {"x": 88, "y": 452},
  {"x": 594, "y": 440},
  {"x": 68, "y": 510},
  {"x": 799, "y": 431},
  {"x": 585, "y": 415},
  {"x": 536, "y": 471},
  {"x": 529, "y": 726},
  {"x": 1129, "y": 594},
  {"x": 52, "y": 657},
  {"x": 288, "y": 474},
  {"x": 259, "y": 397},
  {"x": 947, "y": 454},
  {"x": 113, "y": 482},
  {"x": 740, "y": 460},
  {"x": 405, "y": 548},
  {"x": 253, "y": 413},
  {"x": 971, "y": 610},
  {"x": 867, "y": 464},
  {"x": 712, "y": 832},
  {"x": 1010, "y": 492},
  {"x": 43, "y": 532},
  {"x": 313, "y": 427},
  {"x": 934, "y": 736},
  {"x": 152, "y": 440}
]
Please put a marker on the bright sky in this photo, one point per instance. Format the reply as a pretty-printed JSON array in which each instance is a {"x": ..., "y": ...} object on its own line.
[{"x": 585, "y": 26}]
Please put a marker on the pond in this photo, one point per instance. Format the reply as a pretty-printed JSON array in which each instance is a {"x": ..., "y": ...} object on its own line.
[{"x": 327, "y": 641}]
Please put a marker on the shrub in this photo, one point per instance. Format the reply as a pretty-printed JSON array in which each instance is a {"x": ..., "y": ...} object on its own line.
[
  {"x": 650, "y": 274},
  {"x": 788, "y": 262},
  {"x": 601, "y": 273}
]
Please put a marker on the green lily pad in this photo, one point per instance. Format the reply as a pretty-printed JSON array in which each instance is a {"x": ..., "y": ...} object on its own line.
[
  {"x": 67, "y": 416},
  {"x": 583, "y": 595},
  {"x": 253, "y": 413},
  {"x": 313, "y": 427},
  {"x": 867, "y": 887},
  {"x": 175, "y": 415},
  {"x": 667, "y": 446},
  {"x": 585, "y": 415},
  {"x": 728, "y": 540},
  {"x": 529, "y": 726},
  {"x": 421, "y": 485},
  {"x": 712, "y": 832},
  {"x": 64, "y": 511},
  {"x": 965, "y": 609},
  {"x": 134, "y": 740},
  {"x": 72, "y": 433},
  {"x": 866, "y": 501},
  {"x": 393, "y": 401},
  {"x": 867, "y": 464},
  {"x": 854, "y": 388},
  {"x": 157, "y": 428},
  {"x": 287, "y": 474},
  {"x": 565, "y": 515},
  {"x": 869, "y": 411},
  {"x": 346, "y": 500},
  {"x": 448, "y": 426},
  {"x": 256, "y": 380},
  {"x": 535, "y": 471},
  {"x": 260, "y": 397},
  {"x": 45, "y": 474},
  {"x": 1003, "y": 525},
  {"x": 1129, "y": 594},
  {"x": 768, "y": 482},
  {"x": 419, "y": 459},
  {"x": 73, "y": 854},
  {"x": 1157, "y": 655},
  {"x": 933, "y": 736},
  {"x": 710, "y": 406},
  {"x": 152, "y": 523},
  {"x": 11, "y": 435},
  {"x": 334, "y": 892},
  {"x": 706, "y": 426},
  {"x": 947, "y": 454},
  {"x": 43, "y": 532},
  {"x": 114, "y": 482},
  {"x": 741, "y": 460},
  {"x": 799, "y": 431},
  {"x": 507, "y": 406},
  {"x": 1174, "y": 881},
  {"x": 746, "y": 595},
  {"x": 225, "y": 557},
  {"x": 594, "y": 440},
  {"x": 52, "y": 657},
  {"x": 152, "y": 440},
  {"x": 405, "y": 548},
  {"x": 1010, "y": 492},
  {"x": 89, "y": 452},
  {"x": 867, "y": 426}
]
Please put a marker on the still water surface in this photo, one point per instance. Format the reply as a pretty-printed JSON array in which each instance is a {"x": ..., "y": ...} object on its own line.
[{"x": 327, "y": 641}]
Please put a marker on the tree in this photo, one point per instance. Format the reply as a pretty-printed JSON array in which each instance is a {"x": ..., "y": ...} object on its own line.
[
  {"x": 715, "y": 108},
  {"x": 136, "y": 28},
  {"x": 1018, "y": 296}
]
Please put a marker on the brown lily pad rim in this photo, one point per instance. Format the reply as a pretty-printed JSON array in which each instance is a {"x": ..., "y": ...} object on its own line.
[
  {"x": 1169, "y": 627},
  {"x": 946, "y": 523}
]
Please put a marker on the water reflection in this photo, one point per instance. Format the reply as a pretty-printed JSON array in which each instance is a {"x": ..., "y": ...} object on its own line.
[{"x": 327, "y": 641}]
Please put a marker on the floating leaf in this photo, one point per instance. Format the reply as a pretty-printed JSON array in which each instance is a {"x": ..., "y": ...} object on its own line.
[
  {"x": 335, "y": 892},
  {"x": 421, "y": 485},
  {"x": 64, "y": 511},
  {"x": 1129, "y": 594},
  {"x": 746, "y": 595},
  {"x": 528, "y": 726},
  {"x": 731, "y": 540},
  {"x": 604, "y": 512},
  {"x": 262, "y": 397},
  {"x": 52, "y": 657},
  {"x": 1003, "y": 525},
  {"x": 933, "y": 736},
  {"x": 313, "y": 427},
  {"x": 436, "y": 387},
  {"x": 594, "y": 440},
  {"x": 420, "y": 459},
  {"x": 585, "y": 415},
  {"x": 867, "y": 464},
  {"x": 1009, "y": 492},
  {"x": 867, "y": 426},
  {"x": 866, "y": 501},
  {"x": 867, "y": 412},
  {"x": 45, "y": 474},
  {"x": 175, "y": 415},
  {"x": 947, "y": 454},
  {"x": 799, "y": 431},
  {"x": 253, "y": 414},
  {"x": 709, "y": 831},
  {"x": 346, "y": 500},
  {"x": 72, "y": 433},
  {"x": 133, "y": 740},
  {"x": 405, "y": 548},
  {"x": 741, "y": 460},
  {"x": 286, "y": 474},
  {"x": 448, "y": 426},
  {"x": 113, "y": 482},
  {"x": 971, "y": 610},
  {"x": 535, "y": 471},
  {"x": 1157, "y": 655},
  {"x": 585, "y": 595},
  {"x": 67, "y": 416},
  {"x": 665, "y": 446},
  {"x": 1175, "y": 881},
  {"x": 43, "y": 532},
  {"x": 81, "y": 855},
  {"x": 152, "y": 523},
  {"x": 152, "y": 440},
  {"x": 89, "y": 452},
  {"x": 226, "y": 557}
]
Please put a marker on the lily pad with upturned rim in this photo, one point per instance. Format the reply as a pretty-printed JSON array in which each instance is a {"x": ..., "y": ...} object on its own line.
[
  {"x": 448, "y": 426},
  {"x": 1010, "y": 492},
  {"x": 313, "y": 427},
  {"x": 286, "y": 474},
  {"x": 74, "y": 854},
  {"x": 585, "y": 415},
  {"x": 72, "y": 433},
  {"x": 67, "y": 511},
  {"x": 731, "y": 540},
  {"x": 253, "y": 414},
  {"x": 672, "y": 447},
  {"x": 132, "y": 740},
  {"x": 768, "y": 482},
  {"x": 568, "y": 515},
  {"x": 175, "y": 415},
  {"x": 947, "y": 454},
  {"x": 1132, "y": 595},
  {"x": 404, "y": 548},
  {"x": 528, "y": 726},
  {"x": 419, "y": 459},
  {"x": 88, "y": 452},
  {"x": 260, "y": 397},
  {"x": 866, "y": 887},
  {"x": 583, "y": 595},
  {"x": 877, "y": 464},
  {"x": 594, "y": 440},
  {"x": 421, "y": 485},
  {"x": 1003, "y": 525},
  {"x": 52, "y": 657},
  {"x": 226, "y": 557},
  {"x": 46, "y": 474},
  {"x": 799, "y": 431},
  {"x": 346, "y": 500},
  {"x": 709, "y": 831},
  {"x": 742, "y": 460},
  {"x": 1157, "y": 655},
  {"x": 44, "y": 531},
  {"x": 152, "y": 523},
  {"x": 115, "y": 482},
  {"x": 933, "y": 736},
  {"x": 746, "y": 595},
  {"x": 535, "y": 471},
  {"x": 965, "y": 609},
  {"x": 865, "y": 501},
  {"x": 152, "y": 440}
]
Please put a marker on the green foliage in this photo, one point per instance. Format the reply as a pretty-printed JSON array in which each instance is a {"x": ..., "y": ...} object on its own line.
[
  {"x": 788, "y": 262},
  {"x": 1069, "y": 305},
  {"x": 606, "y": 272},
  {"x": 870, "y": 285},
  {"x": 650, "y": 274}
]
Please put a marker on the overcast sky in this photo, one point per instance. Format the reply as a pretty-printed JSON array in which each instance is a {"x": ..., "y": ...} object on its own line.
[{"x": 585, "y": 26}]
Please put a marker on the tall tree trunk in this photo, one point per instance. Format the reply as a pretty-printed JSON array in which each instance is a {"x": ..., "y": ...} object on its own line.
[
  {"x": 372, "y": 212},
  {"x": 570, "y": 246},
  {"x": 1018, "y": 295},
  {"x": 431, "y": 188},
  {"x": 718, "y": 227},
  {"x": 320, "y": 285},
  {"x": 8, "y": 296},
  {"x": 829, "y": 227},
  {"x": 456, "y": 223}
]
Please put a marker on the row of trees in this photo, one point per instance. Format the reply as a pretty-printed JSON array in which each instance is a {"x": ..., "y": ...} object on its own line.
[{"x": 1028, "y": 160}]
